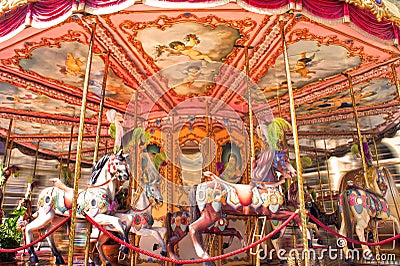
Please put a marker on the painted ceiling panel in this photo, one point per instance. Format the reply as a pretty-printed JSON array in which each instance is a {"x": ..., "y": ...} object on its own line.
[{"x": 189, "y": 62}]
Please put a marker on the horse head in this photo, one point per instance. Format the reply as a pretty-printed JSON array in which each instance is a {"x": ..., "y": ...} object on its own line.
[
  {"x": 376, "y": 180},
  {"x": 118, "y": 166},
  {"x": 283, "y": 165},
  {"x": 152, "y": 190}
]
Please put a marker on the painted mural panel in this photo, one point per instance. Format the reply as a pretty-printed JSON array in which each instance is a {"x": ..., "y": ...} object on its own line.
[
  {"x": 67, "y": 63},
  {"x": 23, "y": 127},
  {"x": 376, "y": 92},
  {"x": 308, "y": 62},
  {"x": 366, "y": 123},
  {"x": 24, "y": 99},
  {"x": 187, "y": 52}
]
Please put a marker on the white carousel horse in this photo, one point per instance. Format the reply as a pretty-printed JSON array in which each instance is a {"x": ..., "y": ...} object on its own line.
[
  {"x": 94, "y": 201},
  {"x": 361, "y": 204},
  {"x": 139, "y": 219}
]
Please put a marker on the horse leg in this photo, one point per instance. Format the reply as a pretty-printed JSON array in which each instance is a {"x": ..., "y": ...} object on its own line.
[
  {"x": 207, "y": 218},
  {"x": 361, "y": 224},
  {"x": 162, "y": 231},
  {"x": 157, "y": 237},
  {"x": 54, "y": 250},
  {"x": 172, "y": 241},
  {"x": 99, "y": 245},
  {"x": 343, "y": 232},
  {"x": 275, "y": 242},
  {"x": 115, "y": 222},
  {"x": 231, "y": 232},
  {"x": 42, "y": 221},
  {"x": 314, "y": 227}
]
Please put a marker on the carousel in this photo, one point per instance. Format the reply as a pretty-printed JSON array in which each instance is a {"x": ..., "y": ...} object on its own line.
[{"x": 166, "y": 132}]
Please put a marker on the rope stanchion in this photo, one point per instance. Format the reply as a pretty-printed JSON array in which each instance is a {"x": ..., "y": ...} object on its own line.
[
  {"x": 2, "y": 250},
  {"x": 319, "y": 223},
  {"x": 147, "y": 253}
]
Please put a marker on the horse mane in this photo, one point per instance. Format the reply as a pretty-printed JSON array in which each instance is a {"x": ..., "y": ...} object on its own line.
[{"x": 97, "y": 169}]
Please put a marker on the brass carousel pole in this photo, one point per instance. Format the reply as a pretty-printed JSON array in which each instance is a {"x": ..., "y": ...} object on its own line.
[
  {"x": 396, "y": 80},
  {"x": 70, "y": 146},
  {"x": 360, "y": 143},
  {"x": 303, "y": 210},
  {"x": 96, "y": 146},
  {"x": 79, "y": 147},
  {"x": 355, "y": 112},
  {"x": 329, "y": 178},
  {"x": 319, "y": 176},
  {"x": 7, "y": 142},
  {"x": 36, "y": 158},
  {"x": 376, "y": 151},
  {"x": 251, "y": 125},
  {"x": 10, "y": 152},
  {"x": 133, "y": 184}
]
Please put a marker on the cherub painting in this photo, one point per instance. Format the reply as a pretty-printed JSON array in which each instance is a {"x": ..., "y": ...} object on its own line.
[
  {"x": 187, "y": 48},
  {"x": 72, "y": 66},
  {"x": 302, "y": 66}
]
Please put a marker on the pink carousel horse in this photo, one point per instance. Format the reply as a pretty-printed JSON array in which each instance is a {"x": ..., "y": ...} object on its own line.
[
  {"x": 95, "y": 201},
  {"x": 262, "y": 197}
]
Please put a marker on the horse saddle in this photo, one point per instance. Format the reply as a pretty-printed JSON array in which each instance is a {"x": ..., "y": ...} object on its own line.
[
  {"x": 244, "y": 195},
  {"x": 378, "y": 204}
]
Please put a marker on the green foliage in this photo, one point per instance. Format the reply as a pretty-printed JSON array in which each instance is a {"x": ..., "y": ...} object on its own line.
[
  {"x": 112, "y": 130},
  {"x": 140, "y": 136},
  {"x": 159, "y": 159},
  {"x": 10, "y": 236},
  {"x": 354, "y": 149},
  {"x": 276, "y": 131},
  {"x": 305, "y": 162}
]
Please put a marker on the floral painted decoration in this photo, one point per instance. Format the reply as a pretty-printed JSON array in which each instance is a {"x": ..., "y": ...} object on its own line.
[{"x": 191, "y": 36}]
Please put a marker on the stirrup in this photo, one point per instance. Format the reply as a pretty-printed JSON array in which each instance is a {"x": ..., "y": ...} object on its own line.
[{"x": 122, "y": 255}]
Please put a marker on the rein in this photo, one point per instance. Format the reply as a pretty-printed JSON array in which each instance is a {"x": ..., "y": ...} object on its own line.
[
  {"x": 97, "y": 186},
  {"x": 148, "y": 206}
]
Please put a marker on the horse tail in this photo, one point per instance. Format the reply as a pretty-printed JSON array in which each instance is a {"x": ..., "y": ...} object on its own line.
[
  {"x": 347, "y": 215},
  {"x": 194, "y": 211}
]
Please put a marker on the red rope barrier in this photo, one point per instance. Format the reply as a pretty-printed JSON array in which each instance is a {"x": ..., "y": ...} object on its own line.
[
  {"x": 318, "y": 222},
  {"x": 147, "y": 253},
  {"x": 39, "y": 239}
]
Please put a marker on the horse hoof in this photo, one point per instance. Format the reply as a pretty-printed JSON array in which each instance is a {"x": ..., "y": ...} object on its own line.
[
  {"x": 348, "y": 260},
  {"x": 163, "y": 253},
  {"x": 59, "y": 260},
  {"x": 124, "y": 250},
  {"x": 156, "y": 246},
  {"x": 276, "y": 236},
  {"x": 33, "y": 259},
  {"x": 320, "y": 242},
  {"x": 225, "y": 245}
]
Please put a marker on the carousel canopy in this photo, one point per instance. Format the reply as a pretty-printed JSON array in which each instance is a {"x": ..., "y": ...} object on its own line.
[{"x": 186, "y": 57}]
